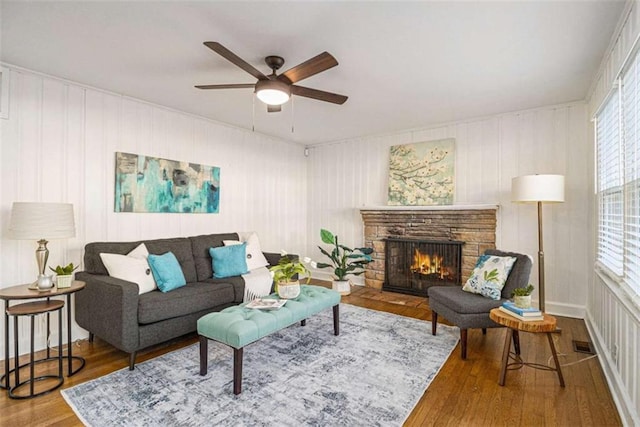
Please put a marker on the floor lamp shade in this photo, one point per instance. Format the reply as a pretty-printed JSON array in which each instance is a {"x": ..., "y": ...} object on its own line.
[
  {"x": 41, "y": 221},
  {"x": 538, "y": 189}
]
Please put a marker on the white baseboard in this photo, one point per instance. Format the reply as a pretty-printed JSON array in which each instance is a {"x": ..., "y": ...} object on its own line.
[
  {"x": 623, "y": 401},
  {"x": 565, "y": 310}
]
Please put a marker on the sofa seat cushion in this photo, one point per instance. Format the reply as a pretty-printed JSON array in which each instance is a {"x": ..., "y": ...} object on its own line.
[
  {"x": 196, "y": 296},
  {"x": 460, "y": 301}
]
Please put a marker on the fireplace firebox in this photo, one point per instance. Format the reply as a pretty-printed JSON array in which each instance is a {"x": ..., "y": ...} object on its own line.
[{"x": 412, "y": 266}]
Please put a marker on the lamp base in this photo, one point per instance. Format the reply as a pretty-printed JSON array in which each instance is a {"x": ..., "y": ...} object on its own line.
[{"x": 42, "y": 256}]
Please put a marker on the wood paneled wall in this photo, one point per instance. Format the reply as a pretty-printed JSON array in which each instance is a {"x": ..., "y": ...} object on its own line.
[
  {"x": 347, "y": 175},
  {"x": 59, "y": 145}
]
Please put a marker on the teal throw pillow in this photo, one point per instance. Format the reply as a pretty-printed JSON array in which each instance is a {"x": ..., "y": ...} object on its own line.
[
  {"x": 489, "y": 276},
  {"x": 228, "y": 261},
  {"x": 167, "y": 272}
]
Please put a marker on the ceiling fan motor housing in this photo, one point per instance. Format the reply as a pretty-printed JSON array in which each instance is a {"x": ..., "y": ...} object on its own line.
[{"x": 274, "y": 62}]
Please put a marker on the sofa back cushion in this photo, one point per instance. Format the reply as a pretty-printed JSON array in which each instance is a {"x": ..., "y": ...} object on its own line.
[
  {"x": 92, "y": 262},
  {"x": 200, "y": 249},
  {"x": 181, "y": 248}
]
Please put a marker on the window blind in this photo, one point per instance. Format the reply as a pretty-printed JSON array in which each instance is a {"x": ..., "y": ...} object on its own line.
[
  {"x": 631, "y": 150},
  {"x": 609, "y": 185}
]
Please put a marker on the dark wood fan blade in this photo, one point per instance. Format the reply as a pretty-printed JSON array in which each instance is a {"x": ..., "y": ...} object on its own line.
[
  {"x": 318, "y": 94},
  {"x": 313, "y": 66},
  {"x": 230, "y": 86},
  {"x": 274, "y": 108},
  {"x": 235, "y": 59}
]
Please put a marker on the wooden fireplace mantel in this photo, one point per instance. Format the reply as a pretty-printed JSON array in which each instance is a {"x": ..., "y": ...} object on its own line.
[{"x": 431, "y": 208}]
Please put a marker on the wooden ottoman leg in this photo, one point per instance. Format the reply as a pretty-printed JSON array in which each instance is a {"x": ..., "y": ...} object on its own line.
[
  {"x": 237, "y": 370},
  {"x": 336, "y": 319},
  {"x": 204, "y": 343},
  {"x": 303, "y": 322}
]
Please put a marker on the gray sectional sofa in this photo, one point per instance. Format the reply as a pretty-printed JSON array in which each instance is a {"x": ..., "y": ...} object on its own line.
[{"x": 112, "y": 309}]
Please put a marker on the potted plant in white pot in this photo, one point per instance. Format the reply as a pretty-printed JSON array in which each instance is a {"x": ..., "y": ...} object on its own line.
[
  {"x": 285, "y": 285},
  {"x": 522, "y": 296},
  {"x": 344, "y": 261},
  {"x": 64, "y": 275}
]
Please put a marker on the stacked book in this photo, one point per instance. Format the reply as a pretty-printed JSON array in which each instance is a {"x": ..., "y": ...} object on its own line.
[{"x": 524, "y": 314}]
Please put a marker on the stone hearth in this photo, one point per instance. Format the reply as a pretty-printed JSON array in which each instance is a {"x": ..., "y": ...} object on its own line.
[{"x": 475, "y": 225}]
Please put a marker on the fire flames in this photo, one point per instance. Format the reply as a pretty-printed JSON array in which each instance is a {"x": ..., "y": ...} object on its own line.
[{"x": 429, "y": 264}]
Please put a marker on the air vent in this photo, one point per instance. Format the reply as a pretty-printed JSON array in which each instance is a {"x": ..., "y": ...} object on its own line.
[{"x": 583, "y": 347}]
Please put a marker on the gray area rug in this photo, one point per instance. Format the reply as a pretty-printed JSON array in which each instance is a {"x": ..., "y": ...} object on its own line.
[{"x": 373, "y": 373}]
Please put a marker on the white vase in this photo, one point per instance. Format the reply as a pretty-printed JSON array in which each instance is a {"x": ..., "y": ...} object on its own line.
[
  {"x": 45, "y": 282},
  {"x": 64, "y": 281},
  {"x": 522, "y": 301},
  {"x": 342, "y": 286},
  {"x": 289, "y": 290}
]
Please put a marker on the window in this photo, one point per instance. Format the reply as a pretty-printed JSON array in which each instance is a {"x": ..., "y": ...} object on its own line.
[
  {"x": 610, "y": 191},
  {"x": 618, "y": 175}
]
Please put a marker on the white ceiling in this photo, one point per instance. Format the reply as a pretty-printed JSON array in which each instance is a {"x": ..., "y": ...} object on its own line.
[{"x": 404, "y": 65}]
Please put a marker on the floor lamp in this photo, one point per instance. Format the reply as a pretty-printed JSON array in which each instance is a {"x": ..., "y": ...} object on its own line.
[{"x": 538, "y": 189}]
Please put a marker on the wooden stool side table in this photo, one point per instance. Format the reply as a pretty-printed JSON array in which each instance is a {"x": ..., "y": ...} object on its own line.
[
  {"x": 32, "y": 309},
  {"x": 547, "y": 326}
]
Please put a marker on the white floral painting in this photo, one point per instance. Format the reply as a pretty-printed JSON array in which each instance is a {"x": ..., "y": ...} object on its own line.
[{"x": 422, "y": 174}]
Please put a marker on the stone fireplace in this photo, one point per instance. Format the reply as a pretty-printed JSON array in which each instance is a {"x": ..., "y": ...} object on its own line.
[
  {"x": 414, "y": 265},
  {"x": 473, "y": 225}
]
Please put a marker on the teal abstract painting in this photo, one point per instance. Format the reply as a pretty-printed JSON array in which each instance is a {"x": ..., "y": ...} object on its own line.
[{"x": 151, "y": 184}]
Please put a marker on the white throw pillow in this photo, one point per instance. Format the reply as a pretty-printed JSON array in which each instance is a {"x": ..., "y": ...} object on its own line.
[
  {"x": 255, "y": 257},
  {"x": 489, "y": 276},
  {"x": 140, "y": 252},
  {"x": 132, "y": 267}
]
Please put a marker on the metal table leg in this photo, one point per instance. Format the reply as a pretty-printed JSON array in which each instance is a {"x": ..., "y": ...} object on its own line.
[
  {"x": 70, "y": 355},
  {"x": 6, "y": 347}
]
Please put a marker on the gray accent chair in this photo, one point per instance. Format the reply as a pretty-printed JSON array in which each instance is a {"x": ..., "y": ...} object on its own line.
[{"x": 467, "y": 310}]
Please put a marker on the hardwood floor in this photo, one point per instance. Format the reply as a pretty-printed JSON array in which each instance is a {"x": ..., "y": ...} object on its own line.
[{"x": 464, "y": 393}]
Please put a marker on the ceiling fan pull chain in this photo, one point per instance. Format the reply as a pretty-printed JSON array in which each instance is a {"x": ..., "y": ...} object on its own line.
[
  {"x": 292, "y": 113},
  {"x": 253, "y": 113}
]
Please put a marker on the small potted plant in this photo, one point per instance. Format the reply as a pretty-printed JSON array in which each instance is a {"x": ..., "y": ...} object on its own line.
[
  {"x": 283, "y": 276},
  {"x": 64, "y": 275},
  {"x": 522, "y": 296},
  {"x": 344, "y": 261}
]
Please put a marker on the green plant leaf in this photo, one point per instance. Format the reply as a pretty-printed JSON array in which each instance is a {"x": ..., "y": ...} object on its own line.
[{"x": 327, "y": 237}]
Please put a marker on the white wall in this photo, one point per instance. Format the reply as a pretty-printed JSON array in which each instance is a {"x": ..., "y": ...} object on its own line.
[
  {"x": 59, "y": 145},
  {"x": 613, "y": 319},
  {"x": 489, "y": 152}
]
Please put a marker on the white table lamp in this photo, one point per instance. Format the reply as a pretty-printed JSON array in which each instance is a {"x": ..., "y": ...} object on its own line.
[
  {"x": 41, "y": 221},
  {"x": 538, "y": 189}
]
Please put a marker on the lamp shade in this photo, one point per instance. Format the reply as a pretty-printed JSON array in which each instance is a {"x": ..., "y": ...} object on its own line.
[
  {"x": 537, "y": 188},
  {"x": 31, "y": 221}
]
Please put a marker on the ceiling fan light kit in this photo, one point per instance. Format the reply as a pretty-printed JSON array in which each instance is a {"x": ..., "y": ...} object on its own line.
[{"x": 274, "y": 90}]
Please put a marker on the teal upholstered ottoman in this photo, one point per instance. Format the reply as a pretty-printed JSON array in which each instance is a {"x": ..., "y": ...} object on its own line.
[{"x": 238, "y": 326}]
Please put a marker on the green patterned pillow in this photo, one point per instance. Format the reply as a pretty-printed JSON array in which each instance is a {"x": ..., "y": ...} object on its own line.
[{"x": 489, "y": 276}]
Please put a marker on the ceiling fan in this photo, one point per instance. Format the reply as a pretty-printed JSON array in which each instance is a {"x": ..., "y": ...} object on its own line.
[{"x": 274, "y": 90}]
